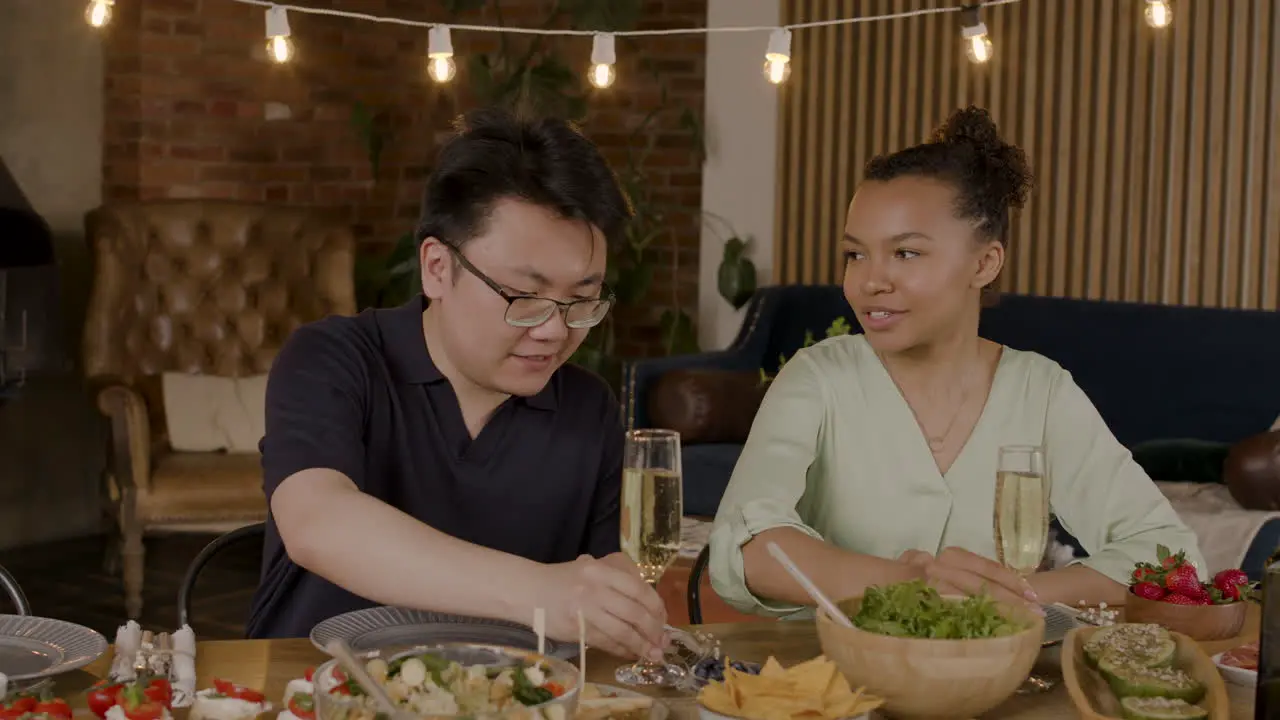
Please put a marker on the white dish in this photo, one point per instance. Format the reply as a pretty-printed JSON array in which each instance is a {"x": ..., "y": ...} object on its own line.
[
  {"x": 706, "y": 714},
  {"x": 1235, "y": 675},
  {"x": 657, "y": 711}
]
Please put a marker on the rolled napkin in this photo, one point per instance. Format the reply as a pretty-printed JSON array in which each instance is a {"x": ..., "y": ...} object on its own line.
[
  {"x": 128, "y": 644},
  {"x": 183, "y": 667}
]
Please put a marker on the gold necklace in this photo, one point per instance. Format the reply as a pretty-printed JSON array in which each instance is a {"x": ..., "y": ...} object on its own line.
[{"x": 936, "y": 442}]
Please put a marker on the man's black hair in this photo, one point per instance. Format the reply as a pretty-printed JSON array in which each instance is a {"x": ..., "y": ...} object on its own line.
[{"x": 497, "y": 154}]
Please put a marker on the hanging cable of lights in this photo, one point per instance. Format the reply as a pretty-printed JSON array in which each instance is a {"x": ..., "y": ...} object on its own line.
[{"x": 442, "y": 67}]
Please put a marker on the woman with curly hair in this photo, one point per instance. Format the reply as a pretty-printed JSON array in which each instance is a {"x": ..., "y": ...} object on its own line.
[{"x": 873, "y": 457}]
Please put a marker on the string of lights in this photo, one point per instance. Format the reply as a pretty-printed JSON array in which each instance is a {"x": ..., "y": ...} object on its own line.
[{"x": 441, "y": 66}]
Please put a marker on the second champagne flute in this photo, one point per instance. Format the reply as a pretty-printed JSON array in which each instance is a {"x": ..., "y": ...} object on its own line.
[
  {"x": 1022, "y": 521},
  {"x": 652, "y": 505}
]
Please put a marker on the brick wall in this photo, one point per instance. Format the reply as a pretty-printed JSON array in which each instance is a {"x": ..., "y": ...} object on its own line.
[{"x": 188, "y": 89}]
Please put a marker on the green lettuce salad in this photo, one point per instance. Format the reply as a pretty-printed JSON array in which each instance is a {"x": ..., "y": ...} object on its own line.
[{"x": 915, "y": 610}]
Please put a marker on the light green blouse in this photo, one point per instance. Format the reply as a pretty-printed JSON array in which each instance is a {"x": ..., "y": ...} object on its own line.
[{"x": 835, "y": 452}]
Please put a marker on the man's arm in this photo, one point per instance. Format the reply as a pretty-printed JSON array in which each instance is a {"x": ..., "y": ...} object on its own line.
[
  {"x": 360, "y": 543},
  {"x": 313, "y": 466}
]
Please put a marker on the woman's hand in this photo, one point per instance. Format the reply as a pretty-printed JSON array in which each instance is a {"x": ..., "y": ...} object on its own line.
[{"x": 956, "y": 571}]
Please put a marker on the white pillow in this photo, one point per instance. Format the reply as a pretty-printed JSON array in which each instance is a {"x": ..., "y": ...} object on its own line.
[{"x": 204, "y": 413}]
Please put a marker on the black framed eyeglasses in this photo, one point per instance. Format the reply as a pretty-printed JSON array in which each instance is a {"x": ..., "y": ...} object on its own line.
[{"x": 529, "y": 311}]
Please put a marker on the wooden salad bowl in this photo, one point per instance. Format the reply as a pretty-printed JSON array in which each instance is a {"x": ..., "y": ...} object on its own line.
[
  {"x": 1198, "y": 622},
  {"x": 1093, "y": 698},
  {"x": 923, "y": 679}
]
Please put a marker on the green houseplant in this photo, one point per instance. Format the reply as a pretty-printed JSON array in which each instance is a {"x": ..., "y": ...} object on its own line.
[
  {"x": 528, "y": 74},
  {"x": 839, "y": 326}
]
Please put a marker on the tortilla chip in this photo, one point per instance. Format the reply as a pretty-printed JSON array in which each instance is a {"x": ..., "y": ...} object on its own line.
[{"x": 811, "y": 690}]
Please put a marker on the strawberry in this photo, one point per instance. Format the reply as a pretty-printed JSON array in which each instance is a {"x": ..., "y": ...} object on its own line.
[
  {"x": 1179, "y": 599},
  {"x": 1169, "y": 560},
  {"x": 1182, "y": 580},
  {"x": 1144, "y": 572},
  {"x": 1148, "y": 590},
  {"x": 1230, "y": 579}
]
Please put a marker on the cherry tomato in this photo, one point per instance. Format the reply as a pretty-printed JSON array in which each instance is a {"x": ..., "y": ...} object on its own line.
[
  {"x": 556, "y": 688},
  {"x": 23, "y": 704},
  {"x": 303, "y": 705},
  {"x": 231, "y": 690},
  {"x": 54, "y": 708},
  {"x": 159, "y": 691},
  {"x": 310, "y": 674},
  {"x": 102, "y": 697}
]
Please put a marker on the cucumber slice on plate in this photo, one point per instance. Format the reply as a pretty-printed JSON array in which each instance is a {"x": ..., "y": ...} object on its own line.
[
  {"x": 1132, "y": 680},
  {"x": 1136, "y": 708},
  {"x": 1140, "y": 643}
]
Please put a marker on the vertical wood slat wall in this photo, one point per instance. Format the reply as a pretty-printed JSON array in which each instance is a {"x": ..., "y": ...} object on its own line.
[{"x": 1156, "y": 152}]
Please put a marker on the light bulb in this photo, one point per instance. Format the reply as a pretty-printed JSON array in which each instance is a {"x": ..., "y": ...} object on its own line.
[
  {"x": 602, "y": 75},
  {"x": 1158, "y": 13},
  {"x": 440, "y": 64},
  {"x": 603, "y": 56},
  {"x": 442, "y": 68},
  {"x": 98, "y": 13},
  {"x": 978, "y": 48},
  {"x": 777, "y": 69},
  {"x": 777, "y": 58},
  {"x": 280, "y": 48}
]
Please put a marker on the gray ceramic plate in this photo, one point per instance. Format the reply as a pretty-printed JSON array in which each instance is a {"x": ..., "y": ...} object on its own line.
[
  {"x": 385, "y": 627},
  {"x": 32, "y": 648}
]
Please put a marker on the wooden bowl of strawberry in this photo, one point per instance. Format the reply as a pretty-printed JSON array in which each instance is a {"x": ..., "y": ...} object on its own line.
[{"x": 1169, "y": 593}]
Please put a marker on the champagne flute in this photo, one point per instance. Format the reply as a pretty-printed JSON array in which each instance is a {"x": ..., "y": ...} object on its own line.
[
  {"x": 651, "y": 507},
  {"x": 1022, "y": 521}
]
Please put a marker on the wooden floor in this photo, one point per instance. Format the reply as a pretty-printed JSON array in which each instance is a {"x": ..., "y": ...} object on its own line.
[{"x": 67, "y": 580}]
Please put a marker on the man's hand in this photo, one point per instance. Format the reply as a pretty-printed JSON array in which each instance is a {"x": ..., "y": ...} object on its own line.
[
  {"x": 624, "y": 616},
  {"x": 956, "y": 571}
]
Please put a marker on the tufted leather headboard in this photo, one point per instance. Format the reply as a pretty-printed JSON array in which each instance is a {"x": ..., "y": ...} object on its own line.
[{"x": 208, "y": 287}]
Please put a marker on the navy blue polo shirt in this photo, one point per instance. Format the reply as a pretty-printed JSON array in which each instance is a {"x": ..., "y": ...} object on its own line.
[{"x": 361, "y": 395}]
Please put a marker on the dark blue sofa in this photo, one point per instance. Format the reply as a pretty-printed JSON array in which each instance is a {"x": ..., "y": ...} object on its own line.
[{"x": 1155, "y": 372}]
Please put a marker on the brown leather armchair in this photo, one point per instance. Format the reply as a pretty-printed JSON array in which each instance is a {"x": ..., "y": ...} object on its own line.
[{"x": 204, "y": 287}]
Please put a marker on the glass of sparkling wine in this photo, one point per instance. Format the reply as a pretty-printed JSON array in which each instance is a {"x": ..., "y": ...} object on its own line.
[
  {"x": 1022, "y": 521},
  {"x": 651, "y": 507}
]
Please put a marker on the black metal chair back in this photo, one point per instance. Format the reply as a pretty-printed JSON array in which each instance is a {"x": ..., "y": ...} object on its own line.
[
  {"x": 222, "y": 542},
  {"x": 20, "y": 604},
  {"x": 694, "y": 592}
]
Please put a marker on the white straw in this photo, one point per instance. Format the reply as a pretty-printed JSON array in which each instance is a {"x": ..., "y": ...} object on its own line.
[
  {"x": 821, "y": 599},
  {"x": 540, "y": 627}
]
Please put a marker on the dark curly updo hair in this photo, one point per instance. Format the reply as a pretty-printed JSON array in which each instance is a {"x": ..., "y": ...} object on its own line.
[{"x": 990, "y": 175}]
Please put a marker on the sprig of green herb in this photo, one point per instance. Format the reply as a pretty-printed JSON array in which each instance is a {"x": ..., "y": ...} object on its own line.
[{"x": 526, "y": 692}]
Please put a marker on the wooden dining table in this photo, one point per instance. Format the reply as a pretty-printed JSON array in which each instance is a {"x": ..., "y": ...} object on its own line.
[{"x": 270, "y": 664}]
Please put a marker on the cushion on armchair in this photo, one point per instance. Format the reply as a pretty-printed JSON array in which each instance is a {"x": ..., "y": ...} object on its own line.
[
  {"x": 706, "y": 405},
  {"x": 205, "y": 413}
]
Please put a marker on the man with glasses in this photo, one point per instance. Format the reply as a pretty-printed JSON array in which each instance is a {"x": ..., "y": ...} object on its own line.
[{"x": 442, "y": 455}]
